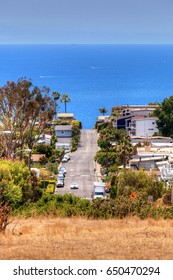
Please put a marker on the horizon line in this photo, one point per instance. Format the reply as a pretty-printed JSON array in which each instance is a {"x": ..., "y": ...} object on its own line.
[{"x": 73, "y": 44}]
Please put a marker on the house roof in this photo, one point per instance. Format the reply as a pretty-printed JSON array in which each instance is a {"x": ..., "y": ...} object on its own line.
[
  {"x": 137, "y": 107},
  {"x": 65, "y": 115},
  {"x": 36, "y": 157},
  {"x": 63, "y": 127},
  {"x": 143, "y": 117}
]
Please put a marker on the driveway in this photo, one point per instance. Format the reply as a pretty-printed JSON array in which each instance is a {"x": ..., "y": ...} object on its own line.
[{"x": 81, "y": 166}]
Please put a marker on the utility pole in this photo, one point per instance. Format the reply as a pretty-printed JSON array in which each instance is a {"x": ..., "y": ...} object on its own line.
[{"x": 172, "y": 194}]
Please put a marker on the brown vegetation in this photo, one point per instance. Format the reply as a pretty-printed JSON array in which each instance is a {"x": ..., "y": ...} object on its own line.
[{"x": 81, "y": 239}]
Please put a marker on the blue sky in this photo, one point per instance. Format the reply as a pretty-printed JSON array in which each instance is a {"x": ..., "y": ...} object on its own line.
[{"x": 86, "y": 21}]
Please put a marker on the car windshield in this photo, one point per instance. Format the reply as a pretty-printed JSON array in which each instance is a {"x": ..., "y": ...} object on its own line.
[{"x": 98, "y": 193}]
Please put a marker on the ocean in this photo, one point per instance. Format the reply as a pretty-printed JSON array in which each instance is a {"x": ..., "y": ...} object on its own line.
[{"x": 94, "y": 76}]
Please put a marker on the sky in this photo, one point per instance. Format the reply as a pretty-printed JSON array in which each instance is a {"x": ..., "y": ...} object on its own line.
[{"x": 86, "y": 22}]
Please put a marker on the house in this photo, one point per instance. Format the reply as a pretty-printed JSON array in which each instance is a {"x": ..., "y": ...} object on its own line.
[
  {"x": 66, "y": 116},
  {"x": 166, "y": 171},
  {"x": 143, "y": 126},
  {"x": 44, "y": 139},
  {"x": 63, "y": 131},
  {"x": 102, "y": 119},
  {"x": 64, "y": 134},
  {"x": 147, "y": 162},
  {"x": 128, "y": 110},
  {"x": 63, "y": 145},
  {"x": 152, "y": 157},
  {"x": 155, "y": 141},
  {"x": 136, "y": 119},
  {"x": 36, "y": 157}
]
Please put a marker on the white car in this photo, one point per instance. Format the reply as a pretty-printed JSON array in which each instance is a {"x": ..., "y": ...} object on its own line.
[
  {"x": 74, "y": 186},
  {"x": 67, "y": 156},
  {"x": 64, "y": 159},
  {"x": 60, "y": 183},
  {"x": 60, "y": 176},
  {"x": 63, "y": 169},
  {"x": 60, "y": 172}
]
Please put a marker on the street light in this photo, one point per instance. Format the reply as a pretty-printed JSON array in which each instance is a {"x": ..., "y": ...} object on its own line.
[{"x": 23, "y": 150}]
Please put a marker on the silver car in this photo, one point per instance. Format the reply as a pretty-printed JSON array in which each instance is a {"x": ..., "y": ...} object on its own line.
[{"x": 74, "y": 185}]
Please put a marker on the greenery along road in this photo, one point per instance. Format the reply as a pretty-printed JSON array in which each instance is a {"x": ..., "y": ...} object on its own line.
[{"x": 80, "y": 168}]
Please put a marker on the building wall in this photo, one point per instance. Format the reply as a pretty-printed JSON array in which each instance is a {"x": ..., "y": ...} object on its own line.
[
  {"x": 145, "y": 127},
  {"x": 62, "y": 145},
  {"x": 63, "y": 133}
]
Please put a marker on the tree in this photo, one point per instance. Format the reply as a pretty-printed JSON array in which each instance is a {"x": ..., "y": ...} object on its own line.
[
  {"x": 125, "y": 150},
  {"x": 17, "y": 183},
  {"x": 116, "y": 147},
  {"x": 43, "y": 149},
  {"x": 76, "y": 125},
  {"x": 56, "y": 96},
  {"x": 106, "y": 137},
  {"x": 5, "y": 211},
  {"x": 25, "y": 111},
  {"x": 165, "y": 117},
  {"x": 103, "y": 111},
  {"x": 65, "y": 98},
  {"x": 139, "y": 182},
  {"x": 116, "y": 113}
]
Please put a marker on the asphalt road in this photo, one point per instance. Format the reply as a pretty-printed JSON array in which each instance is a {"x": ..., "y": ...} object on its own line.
[{"x": 81, "y": 166}]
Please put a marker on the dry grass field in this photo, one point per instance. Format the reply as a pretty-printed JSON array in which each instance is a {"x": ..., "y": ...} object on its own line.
[{"x": 80, "y": 239}]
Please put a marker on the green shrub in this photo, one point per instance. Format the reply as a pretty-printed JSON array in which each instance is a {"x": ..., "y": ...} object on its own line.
[
  {"x": 138, "y": 181},
  {"x": 50, "y": 188}
]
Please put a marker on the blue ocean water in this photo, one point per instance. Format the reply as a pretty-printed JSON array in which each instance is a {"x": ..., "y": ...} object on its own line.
[{"x": 94, "y": 76}]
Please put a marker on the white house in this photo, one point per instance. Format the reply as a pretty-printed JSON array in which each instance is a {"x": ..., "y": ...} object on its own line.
[
  {"x": 63, "y": 131},
  {"x": 143, "y": 126},
  {"x": 136, "y": 119}
]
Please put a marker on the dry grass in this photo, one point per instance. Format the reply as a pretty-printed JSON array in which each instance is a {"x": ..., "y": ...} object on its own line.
[{"x": 80, "y": 239}]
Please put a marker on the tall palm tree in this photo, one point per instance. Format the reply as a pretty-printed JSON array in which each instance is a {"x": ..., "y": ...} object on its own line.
[
  {"x": 103, "y": 111},
  {"x": 65, "y": 98},
  {"x": 125, "y": 149},
  {"x": 56, "y": 96},
  {"x": 107, "y": 135}
]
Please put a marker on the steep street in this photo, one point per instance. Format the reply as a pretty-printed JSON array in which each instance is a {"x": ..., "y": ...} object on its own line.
[{"x": 81, "y": 167}]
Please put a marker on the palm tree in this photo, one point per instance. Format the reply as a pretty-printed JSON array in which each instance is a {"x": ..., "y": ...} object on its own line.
[
  {"x": 107, "y": 135},
  {"x": 125, "y": 149},
  {"x": 56, "y": 96},
  {"x": 103, "y": 111},
  {"x": 65, "y": 98}
]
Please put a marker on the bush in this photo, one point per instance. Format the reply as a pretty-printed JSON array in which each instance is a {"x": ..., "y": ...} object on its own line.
[
  {"x": 15, "y": 181},
  {"x": 50, "y": 188},
  {"x": 139, "y": 182}
]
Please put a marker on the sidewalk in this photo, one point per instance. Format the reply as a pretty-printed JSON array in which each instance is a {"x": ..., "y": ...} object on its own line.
[{"x": 97, "y": 172}]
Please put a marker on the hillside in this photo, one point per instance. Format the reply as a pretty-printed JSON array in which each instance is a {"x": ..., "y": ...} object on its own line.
[{"x": 77, "y": 238}]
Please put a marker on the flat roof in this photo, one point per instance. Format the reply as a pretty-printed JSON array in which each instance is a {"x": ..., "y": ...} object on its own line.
[
  {"x": 136, "y": 106},
  {"x": 150, "y": 137},
  {"x": 65, "y": 115}
]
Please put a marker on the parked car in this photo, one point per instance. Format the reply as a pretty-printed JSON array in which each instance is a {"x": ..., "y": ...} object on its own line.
[
  {"x": 61, "y": 176},
  {"x": 74, "y": 185},
  {"x": 67, "y": 156},
  {"x": 64, "y": 159},
  {"x": 61, "y": 172},
  {"x": 60, "y": 183},
  {"x": 63, "y": 169}
]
